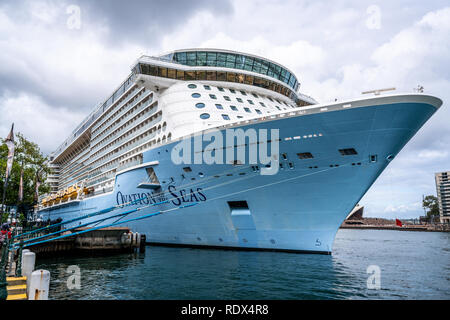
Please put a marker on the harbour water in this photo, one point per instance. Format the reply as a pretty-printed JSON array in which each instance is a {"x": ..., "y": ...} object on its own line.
[{"x": 413, "y": 265}]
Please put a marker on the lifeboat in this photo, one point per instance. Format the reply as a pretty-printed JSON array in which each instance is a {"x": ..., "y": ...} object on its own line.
[
  {"x": 58, "y": 197},
  {"x": 73, "y": 192},
  {"x": 87, "y": 190},
  {"x": 65, "y": 195}
]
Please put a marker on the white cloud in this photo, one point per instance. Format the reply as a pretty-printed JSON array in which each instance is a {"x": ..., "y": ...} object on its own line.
[
  {"x": 37, "y": 121},
  {"x": 52, "y": 76}
]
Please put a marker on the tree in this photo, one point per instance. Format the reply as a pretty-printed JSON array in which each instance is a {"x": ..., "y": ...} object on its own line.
[
  {"x": 430, "y": 204},
  {"x": 28, "y": 156}
]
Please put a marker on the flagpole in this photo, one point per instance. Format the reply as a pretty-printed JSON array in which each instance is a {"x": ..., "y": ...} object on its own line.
[
  {"x": 10, "y": 143},
  {"x": 5, "y": 185}
]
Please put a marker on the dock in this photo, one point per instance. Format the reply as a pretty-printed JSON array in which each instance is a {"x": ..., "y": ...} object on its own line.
[
  {"x": 105, "y": 240},
  {"x": 17, "y": 288}
]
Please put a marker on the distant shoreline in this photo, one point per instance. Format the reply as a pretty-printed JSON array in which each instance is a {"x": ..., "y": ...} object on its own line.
[
  {"x": 384, "y": 224},
  {"x": 404, "y": 228}
]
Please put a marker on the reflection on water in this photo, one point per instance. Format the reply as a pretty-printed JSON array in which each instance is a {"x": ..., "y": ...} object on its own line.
[{"x": 414, "y": 265}]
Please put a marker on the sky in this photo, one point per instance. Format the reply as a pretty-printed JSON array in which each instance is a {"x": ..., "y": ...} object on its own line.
[{"x": 59, "y": 59}]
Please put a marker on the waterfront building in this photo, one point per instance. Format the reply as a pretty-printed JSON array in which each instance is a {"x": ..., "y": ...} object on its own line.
[{"x": 443, "y": 195}]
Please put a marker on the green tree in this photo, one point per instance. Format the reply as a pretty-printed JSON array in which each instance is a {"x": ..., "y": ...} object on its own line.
[
  {"x": 430, "y": 204},
  {"x": 28, "y": 156}
]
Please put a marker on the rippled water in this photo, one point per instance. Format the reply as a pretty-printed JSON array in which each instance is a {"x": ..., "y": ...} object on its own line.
[{"x": 414, "y": 265}]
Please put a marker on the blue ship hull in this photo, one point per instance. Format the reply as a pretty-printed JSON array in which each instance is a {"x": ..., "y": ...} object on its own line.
[{"x": 298, "y": 209}]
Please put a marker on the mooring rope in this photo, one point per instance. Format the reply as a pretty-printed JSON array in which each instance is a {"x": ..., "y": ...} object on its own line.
[
  {"x": 112, "y": 224},
  {"x": 103, "y": 211},
  {"x": 164, "y": 211}
]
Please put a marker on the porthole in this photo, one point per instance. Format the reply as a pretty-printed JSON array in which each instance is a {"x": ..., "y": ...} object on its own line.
[
  {"x": 201, "y": 175},
  {"x": 196, "y": 95},
  {"x": 192, "y": 86},
  {"x": 200, "y": 105},
  {"x": 204, "y": 116}
]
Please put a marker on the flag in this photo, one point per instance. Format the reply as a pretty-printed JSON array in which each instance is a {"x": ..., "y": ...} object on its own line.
[
  {"x": 10, "y": 143},
  {"x": 21, "y": 186},
  {"x": 398, "y": 223}
]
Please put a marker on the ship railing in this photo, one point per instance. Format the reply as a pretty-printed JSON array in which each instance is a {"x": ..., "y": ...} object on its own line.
[
  {"x": 100, "y": 180},
  {"x": 138, "y": 144},
  {"x": 132, "y": 95},
  {"x": 147, "y": 127},
  {"x": 102, "y": 143},
  {"x": 139, "y": 98},
  {"x": 129, "y": 139}
]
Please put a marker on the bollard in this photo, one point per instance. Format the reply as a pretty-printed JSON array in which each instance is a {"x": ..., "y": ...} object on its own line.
[
  {"x": 138, "y": 240},
  {"x": 39, "y": 285},
  {"x": 29, "y": 259},
  {"x": 23, "y": 252},
  {"x": 21, "y": 258},
  {"x": 142, "y": 243}
]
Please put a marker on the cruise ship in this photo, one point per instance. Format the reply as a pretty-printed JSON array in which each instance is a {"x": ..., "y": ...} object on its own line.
[{"x": 148, "y": 146}]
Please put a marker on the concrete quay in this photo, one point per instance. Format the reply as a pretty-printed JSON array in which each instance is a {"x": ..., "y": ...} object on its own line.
[{"x": 105, "y": 240}]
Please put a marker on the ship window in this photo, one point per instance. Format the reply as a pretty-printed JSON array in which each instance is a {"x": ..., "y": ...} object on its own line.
[
  {"x": 200, "y": 105},
  {"x": 204, "y": 116},
  {"x": 255, "y": 95},
  {"x": 211, "y": 75},
  {"x": 239, "y": 117},
  {"x": 258, "y": 111},
  {"x": 305, "y": 155},
  {"x": 211, "y": 59},
  {"x": 192, "y": 86},
  {"x": 207, "y": 87},
  {"x": 212, "y": 96},
  {"x": 180, "y": 74},
  {"x": 232, "y": 91},
  {"x": 243, "y": 93},
  {"x": 262, "y": 104},
  {"x": 226, "y": 117},
  {"x": 172, "y": 73},
  {"x": 234, "y": 108},
  {"x": 248, "y": 80},
  {"x": 348, "y": 152},
  {"x": 238, "y": 205},
  {"x": 231, "y": 77},
  {"x": 221, "y": 76},
  {"x": 239, "y": 99},
  {"x": 227, "y": 98},
  {"x": 247, "y": 110},
  {"x": 189, "y": 75},
  {"x": 162, "y": 72},
  {"x": 250, "y": 101},
  {"x": 196, "y": 95},
  {"x": 219, "y": 106},
  {"x": 201, "y": 75},
  {"x": 187, "y": 169},
  {"x": 153, "y": 70},
  {"x": 221, "y": 89}
]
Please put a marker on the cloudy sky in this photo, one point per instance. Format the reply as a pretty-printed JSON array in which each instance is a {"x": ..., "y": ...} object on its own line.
[{"x": 58, "y": 59}]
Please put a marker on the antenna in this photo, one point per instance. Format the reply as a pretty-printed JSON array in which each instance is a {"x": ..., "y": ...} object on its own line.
[
  {"x": 377, "y": 91},
  {"x": 419, "y": 89}
]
